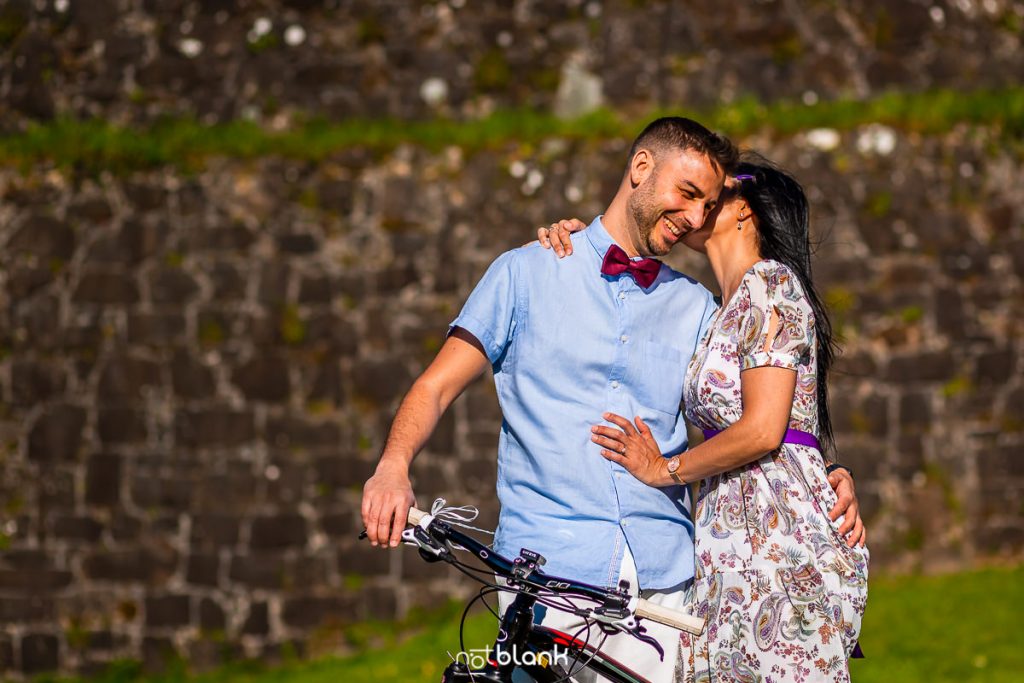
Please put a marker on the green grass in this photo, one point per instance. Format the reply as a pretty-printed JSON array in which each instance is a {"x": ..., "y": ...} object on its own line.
[
  {"x": 956, "y": 628},
  {"x": 91, "y": 146}
]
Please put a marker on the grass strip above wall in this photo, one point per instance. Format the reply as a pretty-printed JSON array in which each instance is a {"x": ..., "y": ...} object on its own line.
[{"x": 92, "y": 146}]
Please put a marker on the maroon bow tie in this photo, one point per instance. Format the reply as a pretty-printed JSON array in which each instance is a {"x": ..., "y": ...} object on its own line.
[{"x": 643, "y": 271}]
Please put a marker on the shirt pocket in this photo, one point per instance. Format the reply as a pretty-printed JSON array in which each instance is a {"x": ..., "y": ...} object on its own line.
[{"x": 662, "y": 374}]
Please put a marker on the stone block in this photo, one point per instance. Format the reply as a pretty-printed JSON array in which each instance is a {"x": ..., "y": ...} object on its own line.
[
  {"x": 123, "y": 377},
  {"x": 915, "y": 411},
  {"x": 927, "y": 366},
  {"x": 380, "y": 602},
  {"x": 214, "y": 427},
  {"x": 158, "y": 653},
  {"x": 167, "y": 611},
  {"x": 137, "y": 564},
  {"x": 298, "y": 243},
  {"x": 141, "y": 239},
  {"x": 103, "y": 479},
  {"x": 124, "y": 527},
  {"x": 6, "y": 653},
  {"x": 43, "y": 237},
  {"x": 296, "y": 431},
  {"x": 211, "y": 615},
  {"x": 235, "y": 239},
  {"x": 326, "y": 385},
  {"x": 150, "y": 490},
  {"x": 263, "y": 570},
  {"x": 172, "y": 286},
  {"x": 106, "y": 288},
  {"x": 24, "y": 281},
  {"x": 212, "y": 531},
  {"x": 362, "y": 559},
  {"x": 996, "y": 537},
  {"x": 335, "y": 195},
  {"x": 34, "y": 581},
  {"x": 56, "y": 434},
  {"x": 203, "y": 569},
  {"x": 145, "y": 196},
  {"x": 257, "y": 621},
  {"x": 77, "y": 528},
  {"x": 307, "y": 612},
  {"x": 121, "y": 426},
  {"x": 91, "y": 209},
  {"x": 40, "y": 652},
  {"x": 278, "y": 531},
  {"x": 340, "y": 524},
  {"x": 33, "y": 382},
  {"x": 343, "y": 472},
  {"x": 994, "y": 367},
  {"x": 25, "y": 559},
  {"x": 227, "y": 280},
  {"x": 190, "y": 378},
  {"x": 333, "y": 332},
  {"x": 999, "y": 464},
  {"x": 155, "y": 329},
  {"x": 442, "y": 440},
  {"x": 26, "y": 610},
  {"x": 263, "y": 378},
  {"x": 274, "y": 277},
  {"x": 381, "y": 381},
  {"x": 315, "y": 288}
]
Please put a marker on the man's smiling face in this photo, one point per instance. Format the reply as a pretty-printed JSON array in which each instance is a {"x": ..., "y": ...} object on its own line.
[{"x": 675, "y": 197}]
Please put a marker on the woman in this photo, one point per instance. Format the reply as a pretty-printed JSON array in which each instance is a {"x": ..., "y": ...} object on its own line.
[{"x": 782, "y": 590}]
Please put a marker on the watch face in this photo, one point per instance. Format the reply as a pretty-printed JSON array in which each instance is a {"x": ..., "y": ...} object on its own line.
[{"x": 673, "y": 464}]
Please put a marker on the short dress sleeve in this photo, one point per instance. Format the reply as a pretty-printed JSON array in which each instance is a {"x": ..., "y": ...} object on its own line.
[{"x": 773, "y": 287}]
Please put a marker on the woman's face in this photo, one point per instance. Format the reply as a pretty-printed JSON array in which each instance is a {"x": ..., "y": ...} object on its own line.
[{"x": 720, "y": 220}]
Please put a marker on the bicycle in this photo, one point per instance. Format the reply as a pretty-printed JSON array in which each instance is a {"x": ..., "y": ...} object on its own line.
[{"x": 547, "y": 655}]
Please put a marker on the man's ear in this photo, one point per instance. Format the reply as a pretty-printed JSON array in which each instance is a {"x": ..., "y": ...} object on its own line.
[{"x": 640, "y": 167}]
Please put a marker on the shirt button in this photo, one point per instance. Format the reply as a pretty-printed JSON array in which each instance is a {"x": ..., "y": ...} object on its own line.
[
  {"x": 622, "y": 295},
  {"x": 624, "y": 338},
  {"x": 625, "y": 522},
  {"x": 615, "y": 384}
]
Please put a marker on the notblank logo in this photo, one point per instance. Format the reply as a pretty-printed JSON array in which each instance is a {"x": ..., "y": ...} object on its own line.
[{"x": 479, "y": 657}]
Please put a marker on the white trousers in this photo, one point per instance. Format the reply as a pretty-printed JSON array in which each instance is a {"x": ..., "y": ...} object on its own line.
[{"x": 635, "y": 655}]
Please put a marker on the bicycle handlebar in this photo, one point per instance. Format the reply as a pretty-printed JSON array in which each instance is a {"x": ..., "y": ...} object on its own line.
[{"x": 639, "y": 606}]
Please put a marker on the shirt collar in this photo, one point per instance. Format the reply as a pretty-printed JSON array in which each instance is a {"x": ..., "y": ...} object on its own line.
[{"x": 599, "y": 237}]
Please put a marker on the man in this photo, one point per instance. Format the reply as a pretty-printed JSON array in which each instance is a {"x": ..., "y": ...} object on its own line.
[{"x": 568, "y": 340}]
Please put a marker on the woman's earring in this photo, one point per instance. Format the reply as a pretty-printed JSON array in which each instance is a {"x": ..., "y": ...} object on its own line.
[{"x": 739, "y": 223}]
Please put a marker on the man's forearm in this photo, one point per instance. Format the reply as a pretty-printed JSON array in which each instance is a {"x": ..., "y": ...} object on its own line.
[{"x": 417, "y": 416}]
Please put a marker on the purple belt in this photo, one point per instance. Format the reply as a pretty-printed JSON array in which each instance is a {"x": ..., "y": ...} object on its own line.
[{"x": 793, "y": 436}]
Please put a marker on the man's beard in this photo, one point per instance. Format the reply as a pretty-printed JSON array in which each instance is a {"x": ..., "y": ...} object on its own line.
[{"x": 642, "y": 208}]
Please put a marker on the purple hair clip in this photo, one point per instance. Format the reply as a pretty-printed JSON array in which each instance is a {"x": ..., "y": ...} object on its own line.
[{"x": 744, "y": 177}]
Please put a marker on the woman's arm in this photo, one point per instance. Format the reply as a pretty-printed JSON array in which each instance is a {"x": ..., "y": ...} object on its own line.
[{"x": 767, "y": 394}]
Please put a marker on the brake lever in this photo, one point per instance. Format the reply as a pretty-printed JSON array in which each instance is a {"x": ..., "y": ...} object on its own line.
[
  {"x": 627, "y": 624},
  {"x": 641, "y": 634}
]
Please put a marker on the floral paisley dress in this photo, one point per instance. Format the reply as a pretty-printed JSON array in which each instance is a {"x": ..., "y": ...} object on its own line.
[{"x": 782, "y": 593}]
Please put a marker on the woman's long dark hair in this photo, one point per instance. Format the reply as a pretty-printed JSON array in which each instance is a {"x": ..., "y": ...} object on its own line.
[{"x": 783, "y": 219}]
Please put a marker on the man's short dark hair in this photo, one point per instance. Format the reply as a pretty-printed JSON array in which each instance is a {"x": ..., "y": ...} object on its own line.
[{"x": 678, "y": 133}]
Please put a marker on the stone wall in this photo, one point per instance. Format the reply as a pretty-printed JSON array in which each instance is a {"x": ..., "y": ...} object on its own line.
[
  {"x": 139, "y": 60},
  {"x": 197, "y": 369}
]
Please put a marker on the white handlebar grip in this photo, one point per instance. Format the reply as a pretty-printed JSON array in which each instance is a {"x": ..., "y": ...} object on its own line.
[
  {"x": 415, "y": 516},
  {"x": 669, "y": 617}
]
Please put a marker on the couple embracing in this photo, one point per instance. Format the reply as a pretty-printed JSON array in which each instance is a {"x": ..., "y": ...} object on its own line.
[{"x": 592, "y": 350}]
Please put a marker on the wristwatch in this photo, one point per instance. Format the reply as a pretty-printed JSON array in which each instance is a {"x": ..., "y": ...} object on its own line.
[{"x": 673, "y": 465}]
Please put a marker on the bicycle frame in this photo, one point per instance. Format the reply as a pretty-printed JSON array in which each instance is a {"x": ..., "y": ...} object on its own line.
[{"x": 517, "y": 633}]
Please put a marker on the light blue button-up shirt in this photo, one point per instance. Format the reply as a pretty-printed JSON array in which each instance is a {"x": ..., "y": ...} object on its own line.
[{"x": 568, "y": 344}]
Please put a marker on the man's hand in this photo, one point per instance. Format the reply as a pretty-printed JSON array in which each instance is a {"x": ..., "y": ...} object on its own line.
[
  {"x": 848, "y": 508},
  {"x": 387, "y": 497}
]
